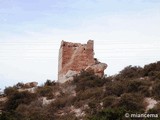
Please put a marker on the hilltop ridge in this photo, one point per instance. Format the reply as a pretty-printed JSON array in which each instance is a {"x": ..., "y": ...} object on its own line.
[{"x": 88, "y": 97}]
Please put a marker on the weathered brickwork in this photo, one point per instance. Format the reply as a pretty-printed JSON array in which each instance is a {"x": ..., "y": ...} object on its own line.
[{"x": 73, "y": 57}]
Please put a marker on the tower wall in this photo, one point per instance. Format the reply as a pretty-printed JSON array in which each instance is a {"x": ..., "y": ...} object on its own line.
[{"x": 74, "y": 57}]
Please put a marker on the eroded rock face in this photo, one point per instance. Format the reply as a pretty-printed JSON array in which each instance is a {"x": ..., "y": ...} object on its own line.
[
  {"x": 73, "y": 57},
  {"x": 97, "y": 68}
]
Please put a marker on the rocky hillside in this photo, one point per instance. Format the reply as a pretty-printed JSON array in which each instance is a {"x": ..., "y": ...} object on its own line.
[{"x": 87, "y": 97}]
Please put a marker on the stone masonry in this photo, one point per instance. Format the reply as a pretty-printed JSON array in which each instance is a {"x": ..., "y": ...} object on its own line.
[{"x": 73, "y": 57}]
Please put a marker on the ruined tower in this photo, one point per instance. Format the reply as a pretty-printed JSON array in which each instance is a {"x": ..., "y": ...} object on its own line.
[{"x": 73, "y": 57}]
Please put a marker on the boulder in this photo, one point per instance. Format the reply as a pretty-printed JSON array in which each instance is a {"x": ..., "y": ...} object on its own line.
[
  {"x": 97, "y": 68},
  {"x": 30, "y": 84}
]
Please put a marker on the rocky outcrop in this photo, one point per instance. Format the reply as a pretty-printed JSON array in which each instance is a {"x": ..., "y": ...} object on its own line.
[
  {"x": 27, "y": 85},
  {"x": 73, "y": 57},
  {"x": 46, "y": 101},
  {"x": 30, "y": 84},
  {"x": 150, "y": 103},
  {"x": 97, "y": 68}
]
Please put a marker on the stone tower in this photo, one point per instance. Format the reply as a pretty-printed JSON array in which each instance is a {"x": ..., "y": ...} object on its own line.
[{"x": 73, "y": 57}]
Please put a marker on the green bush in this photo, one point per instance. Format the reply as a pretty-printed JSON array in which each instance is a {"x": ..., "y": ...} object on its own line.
[
  {"x": 90, "y": 93},
  {"x": 138, "y": 86},
  {"x": 87, "y": 80},
  {"x": 69, "y": 116},
  {"x": 150, "y": 68},
  {"x": 117, "y": 88},
  {"x": 62, "y": 102},
  {"x": 49, "y": 83},
  {"x": 9, "y": 116},
  {"x": 10, "y": 91},
  {"x": 132, "y": 102},
  {"x": 130, "y": 72},
  {"x": 109, "y": 101},
  {"x": 93, "y": 107},
  {"x": 28, "y": 112},
  {"x": 109, "y": 114},
  {"x": 19, "y": 98},
  {"x": 45, "y": 91},
  {"x": 156, "y": 90}
]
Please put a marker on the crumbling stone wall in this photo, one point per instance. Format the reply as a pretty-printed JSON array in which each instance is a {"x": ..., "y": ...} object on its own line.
[{"x": 73, "y": 57}]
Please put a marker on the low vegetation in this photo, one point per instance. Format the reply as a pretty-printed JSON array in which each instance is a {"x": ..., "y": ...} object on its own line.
[{"x": 87, "y": 97}]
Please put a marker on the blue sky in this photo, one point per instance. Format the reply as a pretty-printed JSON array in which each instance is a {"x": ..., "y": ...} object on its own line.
[{"x": 126, "y": 32}]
